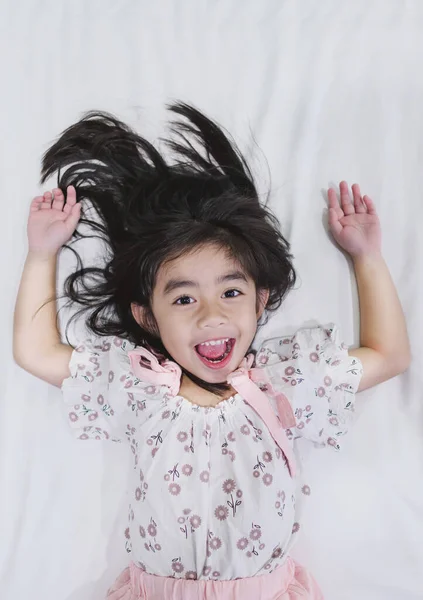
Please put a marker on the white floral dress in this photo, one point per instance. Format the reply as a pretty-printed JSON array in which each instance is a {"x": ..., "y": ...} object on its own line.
[{"x": 213, "y": 495}]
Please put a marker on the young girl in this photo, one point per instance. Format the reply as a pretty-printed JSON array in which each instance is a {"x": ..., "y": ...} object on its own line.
[{"x": 193, "y": 264}]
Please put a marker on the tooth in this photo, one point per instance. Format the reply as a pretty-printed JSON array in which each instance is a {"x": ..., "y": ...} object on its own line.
[{"x": 215, "y": 342}]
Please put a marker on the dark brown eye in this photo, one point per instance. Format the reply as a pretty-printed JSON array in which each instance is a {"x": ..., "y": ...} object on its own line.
[
  {"x": 183, "y": 300},
  {"x": 232, "y": 293}
]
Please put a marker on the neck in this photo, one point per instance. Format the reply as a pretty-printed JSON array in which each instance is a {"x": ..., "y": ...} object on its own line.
[{"x": 197, "y": 394}]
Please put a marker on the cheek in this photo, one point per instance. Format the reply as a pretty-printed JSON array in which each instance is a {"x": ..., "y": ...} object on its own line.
[
  {"x": 173, "y": 331},
  {"x": 252, "y": 321},
  {"x": 245, "y": 319},
  {"x": 247, "y": 313}
]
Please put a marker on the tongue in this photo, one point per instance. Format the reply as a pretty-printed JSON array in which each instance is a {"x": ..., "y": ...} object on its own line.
[{"x": 211, "y": 352}]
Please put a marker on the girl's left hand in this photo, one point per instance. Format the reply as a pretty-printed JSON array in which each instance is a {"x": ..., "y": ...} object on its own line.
[{"x": 354, "y": 224}]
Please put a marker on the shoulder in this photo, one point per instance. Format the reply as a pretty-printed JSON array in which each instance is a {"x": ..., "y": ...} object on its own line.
[
  {"x": 94, "y": 353},
  {"x": 103, "y": 365},
  {"x": 107, "y": 361},
  {"x": 306, "y": 342},
  {"x": 310, "y": 354}
]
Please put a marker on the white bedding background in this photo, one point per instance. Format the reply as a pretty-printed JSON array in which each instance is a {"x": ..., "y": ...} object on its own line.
[{"x": 320, "y": 89}]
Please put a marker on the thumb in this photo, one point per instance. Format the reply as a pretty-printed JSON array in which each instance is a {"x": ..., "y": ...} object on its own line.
[{"x": 334, "y": 223}]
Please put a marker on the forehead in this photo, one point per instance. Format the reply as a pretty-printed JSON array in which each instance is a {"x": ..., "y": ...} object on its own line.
[{"x": 203, "y": 264}]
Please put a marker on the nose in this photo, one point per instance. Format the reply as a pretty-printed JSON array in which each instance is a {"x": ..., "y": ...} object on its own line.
[{"x": 212, "y": 315}]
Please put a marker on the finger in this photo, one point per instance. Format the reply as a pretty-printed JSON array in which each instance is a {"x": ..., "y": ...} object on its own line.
[
  {"x": 371, "y": 209},
  {"x": 332, "y": 199},
  {"x": 333, "y": 202},
  {"x": 36, "y": 203},
  {"x": 58, "y": 199},
  {"x": 333, "y": 221},
  {"x": 346, "y": 204},
  {"x": 73, "y": 217},
  {"x": 70, "y": 199},
  {"x": 359, "y": 205},
  {"x": 47, "y": 198}
]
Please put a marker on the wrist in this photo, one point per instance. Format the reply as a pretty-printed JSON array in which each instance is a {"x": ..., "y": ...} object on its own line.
[
  {"x": 41, "y": 256},
  {"x": 368, "y": 259}
]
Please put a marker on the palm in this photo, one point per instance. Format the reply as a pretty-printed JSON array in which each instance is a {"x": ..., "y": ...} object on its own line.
[
  {"x": 52, "y": 221},
  {"x": 354, "y": 225}
]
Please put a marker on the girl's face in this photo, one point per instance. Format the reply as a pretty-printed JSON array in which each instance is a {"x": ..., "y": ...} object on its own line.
[{"x": 206, "y": 309}]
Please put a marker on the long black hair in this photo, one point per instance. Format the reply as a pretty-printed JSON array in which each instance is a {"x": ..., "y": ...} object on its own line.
[{"x": 152, "y": 210}]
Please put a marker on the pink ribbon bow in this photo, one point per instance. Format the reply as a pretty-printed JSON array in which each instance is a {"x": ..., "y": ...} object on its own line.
[{"x": 147, "y": 368}]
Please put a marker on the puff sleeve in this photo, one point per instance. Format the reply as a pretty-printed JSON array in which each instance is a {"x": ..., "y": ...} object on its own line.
[
  {"x": 103, "y": 399},
  {"x": 314, "y": 371}
]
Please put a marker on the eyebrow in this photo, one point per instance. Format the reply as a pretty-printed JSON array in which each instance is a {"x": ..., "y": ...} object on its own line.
[{"x": 174, "y": 284}]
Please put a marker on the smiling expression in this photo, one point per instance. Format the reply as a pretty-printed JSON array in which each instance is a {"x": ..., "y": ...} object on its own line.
[{"x": 206, "y": 309}]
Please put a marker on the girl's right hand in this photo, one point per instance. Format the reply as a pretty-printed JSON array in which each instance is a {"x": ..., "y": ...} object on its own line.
[{"x": 52, "y": 222}]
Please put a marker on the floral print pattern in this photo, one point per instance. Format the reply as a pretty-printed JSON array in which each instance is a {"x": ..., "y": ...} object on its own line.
[
  {"x": 235, "y": 495},
  {"x": 252, "y": 544},
  {"x": 149, "y": 535},
  {"x": 208, "y": 483},
  {"x": 328, "y": 376}
]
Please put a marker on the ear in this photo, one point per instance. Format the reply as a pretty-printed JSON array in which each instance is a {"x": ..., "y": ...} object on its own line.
[
  {"x": 138, "y": 312},
  {"x": 144, "y": 317},
  {"x": 262, "y": 299}
]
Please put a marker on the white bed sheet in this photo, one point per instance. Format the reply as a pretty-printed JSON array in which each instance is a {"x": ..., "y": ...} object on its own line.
[{"x": 330, "y": 89}]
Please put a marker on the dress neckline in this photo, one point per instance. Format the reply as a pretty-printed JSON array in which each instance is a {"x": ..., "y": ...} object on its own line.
[{"x": 223, "y": 405}]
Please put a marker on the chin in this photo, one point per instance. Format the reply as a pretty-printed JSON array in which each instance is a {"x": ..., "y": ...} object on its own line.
[
  {"x": 218, "y": 375},
  {"x": 218, "y": 378}
]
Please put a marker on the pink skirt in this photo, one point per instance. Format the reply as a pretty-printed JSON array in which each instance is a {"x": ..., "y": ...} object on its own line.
[{"x": 288, "y": 582}]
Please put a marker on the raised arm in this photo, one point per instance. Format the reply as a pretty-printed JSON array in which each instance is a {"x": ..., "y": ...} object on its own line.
[
  {"x": 36, "y": 341},
  {"x": 384, "y": 346}
]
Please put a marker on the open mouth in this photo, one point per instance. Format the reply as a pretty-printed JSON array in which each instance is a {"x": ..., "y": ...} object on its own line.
[{"x": 215, "y": 354}]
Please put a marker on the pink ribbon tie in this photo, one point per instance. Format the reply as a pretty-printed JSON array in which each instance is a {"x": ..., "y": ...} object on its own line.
[
  {"x": 243, "y": 381},
  {"x": 146, "y": 367},
  {"x": 283, "y": 405}
]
